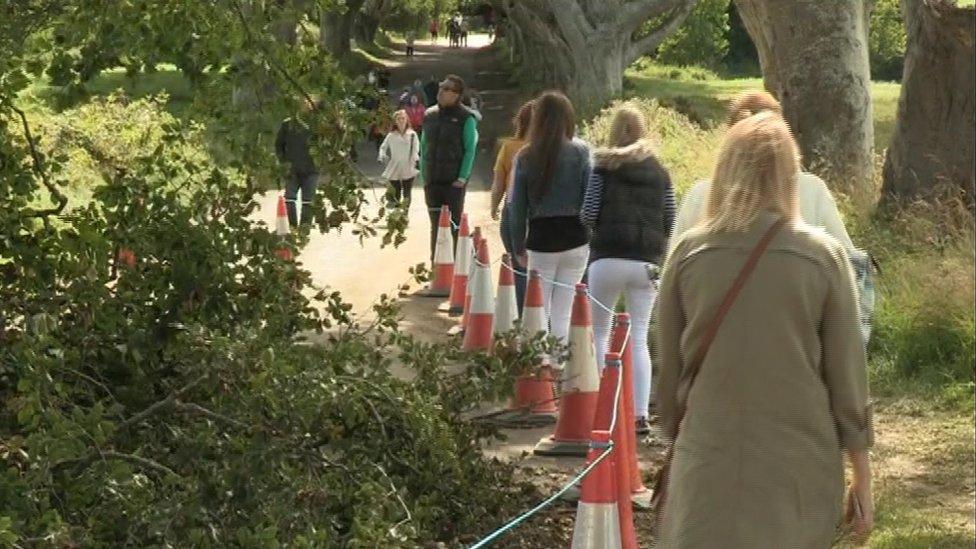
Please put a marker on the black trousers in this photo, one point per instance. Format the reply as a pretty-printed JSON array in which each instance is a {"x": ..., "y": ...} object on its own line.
[
  {"x": 401, "y": 190},
  {"x": 438, "y": 194}
]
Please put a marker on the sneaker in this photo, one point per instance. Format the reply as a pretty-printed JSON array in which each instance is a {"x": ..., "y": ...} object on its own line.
[{"x": 643, "y": 426}]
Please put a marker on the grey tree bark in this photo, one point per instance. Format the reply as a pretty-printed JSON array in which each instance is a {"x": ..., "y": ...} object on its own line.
[
  {"x": 583, "y": 46},
  {"x": 814, "y": 58},
  {"x": 935, "y": 133},
  {"x": 336, "y": 28}
]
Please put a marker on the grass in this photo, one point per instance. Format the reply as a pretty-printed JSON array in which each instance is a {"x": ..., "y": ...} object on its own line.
[{"x": 703, "y": 96}]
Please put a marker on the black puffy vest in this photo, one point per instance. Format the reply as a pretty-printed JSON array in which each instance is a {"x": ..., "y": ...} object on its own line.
[
  {"x": 444, "y": 143},
  {"x": 631, "y": 222}
]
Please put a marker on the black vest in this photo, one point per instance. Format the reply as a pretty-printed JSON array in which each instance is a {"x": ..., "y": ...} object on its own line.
[
  {"x": 444, "y": 143},
  {"x": 631, "y": 222}
]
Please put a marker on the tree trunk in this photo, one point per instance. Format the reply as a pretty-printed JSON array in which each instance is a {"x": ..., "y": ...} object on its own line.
[
  {"x": 934, "y": 138},
  {"x": 814, "y": 58},
  {"x": 336, "y": 28},
  {"x": 583, "y": 46}
]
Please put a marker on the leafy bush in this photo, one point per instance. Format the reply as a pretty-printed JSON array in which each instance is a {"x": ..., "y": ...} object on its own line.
[
  {"x": 886, "y": 41},
  {"x": 702, "y": 39}
]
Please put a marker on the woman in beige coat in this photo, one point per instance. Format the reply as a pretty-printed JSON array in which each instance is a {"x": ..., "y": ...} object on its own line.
[{"x": 783, "y": 387}]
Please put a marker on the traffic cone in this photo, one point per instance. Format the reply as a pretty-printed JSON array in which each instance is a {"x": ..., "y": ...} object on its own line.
[
  {"x": 462, "y": 257},
  {"x": 478, "y": 334},
  {"x": 608, "y": 402},
  {"x": 440, "y": 286},
  {"x": 476, "y": 241},
  {"x": 506, "y": 308},
  {"x": 580, "y": 387},
  {"x": 618, "y": 335},
  {"x": 281, "y": 229},
  {"x": 533, "y": 309},
  {"x": 597, "y": 520}
]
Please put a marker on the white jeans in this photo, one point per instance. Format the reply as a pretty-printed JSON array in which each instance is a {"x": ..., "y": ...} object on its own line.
[
  {"x": 566, "y": 268},
  {"x": 609, "y": 278}
]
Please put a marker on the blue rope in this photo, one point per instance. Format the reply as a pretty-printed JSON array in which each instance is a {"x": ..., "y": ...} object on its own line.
[{"x": 545, "y": 503}]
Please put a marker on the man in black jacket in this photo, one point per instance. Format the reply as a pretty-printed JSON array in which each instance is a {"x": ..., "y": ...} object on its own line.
[
  {"x": 292, "y": 148},
  {"x": 447, "y": 150}
]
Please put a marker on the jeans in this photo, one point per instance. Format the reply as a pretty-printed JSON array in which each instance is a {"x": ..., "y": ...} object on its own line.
[
  {"x": 505, "y": 228},
  {"x": 306, "y": 182},
  {"x": 609, "y": 278},
  {"x": 439, "y": 194},
  {"x": 864, "y": 279},
  {"x": 567, "y": 268}
]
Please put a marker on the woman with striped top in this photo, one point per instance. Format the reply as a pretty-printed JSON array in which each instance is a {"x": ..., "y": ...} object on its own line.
[{"x": 629, "y": 207}]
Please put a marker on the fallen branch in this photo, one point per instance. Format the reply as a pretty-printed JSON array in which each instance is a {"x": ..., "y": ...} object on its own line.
[
  {"x": 145, "y": 463},
  {"x": 191, "y": 408},
  {"x": 38, "y": 168}
]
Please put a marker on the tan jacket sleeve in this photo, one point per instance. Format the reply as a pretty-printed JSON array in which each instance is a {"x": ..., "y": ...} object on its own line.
[
  {"x": 844, "y": 359},
  {"x": 669, "y": 327},
  {"x": 499, "y": 183}
]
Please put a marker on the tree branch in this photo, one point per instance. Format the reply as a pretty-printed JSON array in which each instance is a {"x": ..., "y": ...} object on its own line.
[
  {"x": 38, "y": 167},
  {"x": 647, "y": 44},
  {"x": 191, "y": 408},
  {"x": 145, "y": 463},
  {"x": 635, "y": 13},
  {"x": 158, "y": 406}
]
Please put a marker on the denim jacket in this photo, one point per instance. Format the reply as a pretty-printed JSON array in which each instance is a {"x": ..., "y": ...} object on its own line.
[{"x": 565, "y": 197}]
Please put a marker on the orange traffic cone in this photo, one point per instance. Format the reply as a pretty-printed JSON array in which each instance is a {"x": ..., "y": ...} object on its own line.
[
  {"x": 580, "y": 387},
  {"x": 597, "y": 521},
  {"x": 462, "y": 258},
  {"x": 506, "y": 308},
  {"x": 478, "y": 334},
  {"x": 608, "y": 403},
  {"x": 440, "y": 286},
  {"x": 619, "y": 334},
  {"x": 281, "y": 229},
  {"x": 533, "y": 309}
]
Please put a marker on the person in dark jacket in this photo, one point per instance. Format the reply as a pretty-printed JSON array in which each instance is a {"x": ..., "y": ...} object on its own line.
[
  {"x": 292, "y": 148},
  {"x": 448, "y": 145},
  {"x": 629, "y": 207}
]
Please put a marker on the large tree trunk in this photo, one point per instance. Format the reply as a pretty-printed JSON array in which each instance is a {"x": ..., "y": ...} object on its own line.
[
  {"x": 336, "y": 28},
  {"x": 583, "y": 46},
  {"x": 934, "y": 139},
  {"x": 814, "y": 58}
]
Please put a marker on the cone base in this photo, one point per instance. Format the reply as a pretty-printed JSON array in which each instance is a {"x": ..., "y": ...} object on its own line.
[
  {"x": 597, "y": 525},
  {"x": 433, "y": 292},
  {"x": 552, "y": 447},
  {"x": 534, "y": 393}
]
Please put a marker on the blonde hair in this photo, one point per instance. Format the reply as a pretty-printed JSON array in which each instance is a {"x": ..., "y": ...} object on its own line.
[
  {"x": 753, "y": 102},
  {"x": 628, "y": 127},
  {"x": 757, "y": 169},
  {"x": 403, "y": 113}
]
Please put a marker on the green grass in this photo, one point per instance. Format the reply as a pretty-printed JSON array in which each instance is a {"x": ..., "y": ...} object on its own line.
[
  {"x": 703, "y": 96},
  {"x": 167, "y": 79}
]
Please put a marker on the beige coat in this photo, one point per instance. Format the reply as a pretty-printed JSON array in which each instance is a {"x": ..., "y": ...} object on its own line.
[{"x": 782, "y": 389}]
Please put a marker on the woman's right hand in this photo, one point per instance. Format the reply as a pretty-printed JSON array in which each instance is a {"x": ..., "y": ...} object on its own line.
[{"x": 859, "y": 512}]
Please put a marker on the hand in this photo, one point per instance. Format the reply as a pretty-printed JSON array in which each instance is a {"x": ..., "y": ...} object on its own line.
[
  {"x": 459, "y": 184},
  {"x": 859, "y": 510}
]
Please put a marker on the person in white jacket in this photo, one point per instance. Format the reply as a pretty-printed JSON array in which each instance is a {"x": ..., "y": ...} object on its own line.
[
  {"x": 400, "y": 152},
  {"x": 817, "y": 207}
]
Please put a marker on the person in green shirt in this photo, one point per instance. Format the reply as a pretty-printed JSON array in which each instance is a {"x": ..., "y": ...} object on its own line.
[{"x": 448, "y": 145}]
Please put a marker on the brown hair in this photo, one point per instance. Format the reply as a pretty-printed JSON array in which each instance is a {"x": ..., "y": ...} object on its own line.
[
  {"x": 553, "y": 123},
  {"x": 522, "y": 120},
  {"x": 458, "y": 83},
  {"x": 752, "y": 102},
  {"x": 757, "y": 170},
  {"x": 628, "y": 127}
]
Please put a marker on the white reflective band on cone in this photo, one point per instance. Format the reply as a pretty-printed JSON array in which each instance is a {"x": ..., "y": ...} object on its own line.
[
  {"x": 581, "y": 372},
  {"x": 534, "y": 320},
  {"x": 463, "y": 255},
  {"x": 597, "y": 526},
  {"x": 281, "y": 226},
  {"x": 443, "y": 253},
  {"x": 482, "y": 297}
]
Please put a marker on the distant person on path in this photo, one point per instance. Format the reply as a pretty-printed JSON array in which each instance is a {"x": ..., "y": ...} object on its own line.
[
  {"x": 293, "y": 149},
  {"x": 782, "y": 391},
  {"x": 551, "y": 173},
  {"x": 447, "y": 151},
  {"x": 629, "y": 207},
  {"x": 430, "y": 91},
  {"x": 463, "y": 33},
  {"x": 501, "y": 189},
  {"x": 411, "y": 39},
  {"x": 817, "y": 207},
  {"x": 400, "y": 152},
  {"x": 415, "y": 110},
  {"x": 433, "y": 29}
]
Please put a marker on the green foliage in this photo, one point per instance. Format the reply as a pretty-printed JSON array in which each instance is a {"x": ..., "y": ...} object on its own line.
[
  {"x": 157, "y": 382},
  {"x": 886, "y": 41},
  {"x": 702, "y": 39}
]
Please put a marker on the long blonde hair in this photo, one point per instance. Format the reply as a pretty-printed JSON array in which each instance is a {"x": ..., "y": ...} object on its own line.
[{"x": 757, "y": 169}]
